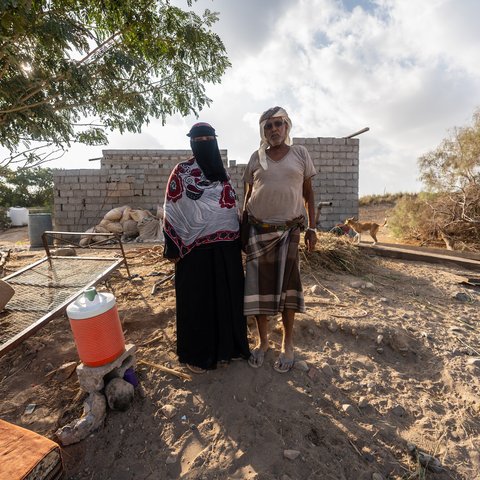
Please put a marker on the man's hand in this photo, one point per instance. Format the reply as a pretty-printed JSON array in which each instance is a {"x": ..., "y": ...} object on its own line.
[{"x": 310, "y": 240}]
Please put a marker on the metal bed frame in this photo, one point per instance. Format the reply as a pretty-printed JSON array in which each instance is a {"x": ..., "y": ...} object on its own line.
[{"x": 44, "y": 289}]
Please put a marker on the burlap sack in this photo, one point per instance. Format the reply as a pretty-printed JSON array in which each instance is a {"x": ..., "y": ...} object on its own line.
[
  {"x": 101, "y": 228},
  {"x": 115, "y": 214},
  {"x": 130, "y": 228},
  {"x": 84, "y": 241},
  {"x": 126, "y": 216},
  {"x": 150, "y": 230},
  {"x": 139, "y": 215},
  {"x": 112, "y": 227}
]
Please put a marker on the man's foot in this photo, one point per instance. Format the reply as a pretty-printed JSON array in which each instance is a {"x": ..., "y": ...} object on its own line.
[
  {"x": 257, "y": 357},
  {"x": 194, "y": 369},
  {"x": 283, "y": 364}
]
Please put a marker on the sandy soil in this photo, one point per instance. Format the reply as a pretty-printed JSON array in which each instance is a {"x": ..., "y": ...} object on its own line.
[{"x": 392, "y": 357}]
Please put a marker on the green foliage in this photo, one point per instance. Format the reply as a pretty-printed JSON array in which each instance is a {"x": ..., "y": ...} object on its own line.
[
  {"x": 118, "y": 63},
  {"x": 4, "y": 220},
  {"x": 449, "y": 213},
  {"x": 408, "y": 220},
  {"x": 455, "y": 163},
  {"x": 26, "y": 187}
]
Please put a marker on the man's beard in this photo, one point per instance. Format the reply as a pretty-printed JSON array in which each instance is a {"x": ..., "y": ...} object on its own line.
[{"x": 208, "y": 158}]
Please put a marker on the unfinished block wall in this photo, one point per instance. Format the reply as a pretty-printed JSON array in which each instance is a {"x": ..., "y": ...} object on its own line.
[{"x": 138, "y": 178}]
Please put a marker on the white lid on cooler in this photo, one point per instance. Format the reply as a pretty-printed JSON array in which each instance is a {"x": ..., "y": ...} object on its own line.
[{"x": 90, "y": 304}]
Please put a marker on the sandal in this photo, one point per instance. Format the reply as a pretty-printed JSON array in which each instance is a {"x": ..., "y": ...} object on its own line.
[
  {"x": 194, "y": 369},
  {"x": 257, "y": 357},
  {"x": 283, "y": 365}
]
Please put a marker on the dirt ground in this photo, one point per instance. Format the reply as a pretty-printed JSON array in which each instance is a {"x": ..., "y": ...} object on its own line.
[{"x": 384, "y": 358}]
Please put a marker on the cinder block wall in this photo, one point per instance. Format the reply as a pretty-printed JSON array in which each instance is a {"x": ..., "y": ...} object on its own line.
[
  {"x": 337, "y": 164},
  {"x": 138, "y": 178}
]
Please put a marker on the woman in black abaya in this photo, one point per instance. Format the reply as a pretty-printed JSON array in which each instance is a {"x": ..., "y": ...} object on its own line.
[{"x": 202, "y": 238}]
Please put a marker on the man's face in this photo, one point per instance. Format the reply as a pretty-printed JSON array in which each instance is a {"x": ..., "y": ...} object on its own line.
[{"x": 275, "y": 130}]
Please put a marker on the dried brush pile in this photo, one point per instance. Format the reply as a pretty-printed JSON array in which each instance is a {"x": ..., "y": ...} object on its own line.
[{"x": 333, "y": 253}]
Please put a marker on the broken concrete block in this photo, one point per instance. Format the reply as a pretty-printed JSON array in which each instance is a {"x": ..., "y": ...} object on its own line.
[{"x": 93, "y": 379}]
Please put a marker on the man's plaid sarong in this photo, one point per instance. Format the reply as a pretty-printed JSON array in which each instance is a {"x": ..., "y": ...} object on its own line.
[{"x": 273, "y": 278}]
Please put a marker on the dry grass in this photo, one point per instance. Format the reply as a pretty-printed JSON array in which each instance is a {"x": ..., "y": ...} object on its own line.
[{"x": 336, "y": 254}]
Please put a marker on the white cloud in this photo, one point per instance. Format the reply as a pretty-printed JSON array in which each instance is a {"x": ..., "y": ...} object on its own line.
[{"x": 406, "y": 69}]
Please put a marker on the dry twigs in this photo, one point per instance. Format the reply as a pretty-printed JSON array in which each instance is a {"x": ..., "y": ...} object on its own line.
[{"x": 336, "y": 254}]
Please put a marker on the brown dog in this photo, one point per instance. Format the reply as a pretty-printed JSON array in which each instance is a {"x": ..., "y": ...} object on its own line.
[{"x": 360, "y": 227}]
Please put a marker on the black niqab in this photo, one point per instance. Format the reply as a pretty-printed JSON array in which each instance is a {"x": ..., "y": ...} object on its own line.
[{"x": 209, "y": 159}]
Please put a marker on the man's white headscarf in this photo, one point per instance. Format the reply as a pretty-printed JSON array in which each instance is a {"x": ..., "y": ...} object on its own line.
[{"x": 267, "y": 115}]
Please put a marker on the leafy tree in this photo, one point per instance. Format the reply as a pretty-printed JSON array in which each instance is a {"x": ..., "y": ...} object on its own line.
[
  {"x": 26, "y": 187},
  {"x": 450, "y": 209},
  {"x": 455, "y": 164},
  {"x": 115, "y": 63}
]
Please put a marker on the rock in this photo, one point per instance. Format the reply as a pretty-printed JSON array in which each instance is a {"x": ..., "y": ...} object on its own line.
[
  {"x": 400, "y": 342},
  {"x": 369, "y": 285},
  {"x": 379, "y": 339},
  {"x": 64, "y": 252},
  {"x": 380, "y": 350},
  {"x": 368, "y": 457},
  {"x": 425, "y": 460},
  {"x": 474, "y": 361},
  {"x": 316, "y": 290},
  {"x": 291, "y": 454},
  {"x": 327, "y": 370},
  {"x": 137, "y": 280},
  {"x": 349, "y": 409},
  {"x": 399, "y": 411},
  {"x": 65, "y": 371},
  {"x": 119, "y": 394},
  {"x": 94, "y": 412},
  {"x": 48, "y": 367},
  {"x": 357, "y": 284},
  {"x": 363, "y": 402},
  {"x": 384, "y": 300},
  {"x": 377, "y": 476},
  {"x": 462, "y": 297},
  {"x": 171, "y": 459},
  {"x": 332, "y": 326},
  {"x": 312, "y": 373},
  {"x": 169, "y": 411},
  {"x": 301, "y": 365}
]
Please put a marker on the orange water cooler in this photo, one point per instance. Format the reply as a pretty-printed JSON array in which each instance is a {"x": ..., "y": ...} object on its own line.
[{"x": 96, "y": 328}]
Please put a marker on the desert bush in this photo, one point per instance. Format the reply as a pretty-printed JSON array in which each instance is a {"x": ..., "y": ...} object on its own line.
[
  {"x": 377, "y": 199},
  {"x": 409, "y": 219}
]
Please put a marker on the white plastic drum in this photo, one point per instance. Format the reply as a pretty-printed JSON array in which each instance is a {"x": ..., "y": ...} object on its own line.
[{"x": 18, "y": 216}]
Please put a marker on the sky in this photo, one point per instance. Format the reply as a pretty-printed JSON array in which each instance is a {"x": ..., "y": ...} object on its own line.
[{"x": 407, "y": 69}]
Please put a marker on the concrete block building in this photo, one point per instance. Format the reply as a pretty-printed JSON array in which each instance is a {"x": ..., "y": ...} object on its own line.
[{"x": 138, "y": 178}]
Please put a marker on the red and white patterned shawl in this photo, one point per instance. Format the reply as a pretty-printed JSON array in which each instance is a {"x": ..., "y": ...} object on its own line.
[{"x": 198, "y": 211}]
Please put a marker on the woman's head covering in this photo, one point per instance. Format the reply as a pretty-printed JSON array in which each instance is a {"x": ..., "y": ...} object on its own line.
[
  {"x": 201, "y": 129},
  {"x": 268, "y": 114},
  {"x": 207, "y": 153}
]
